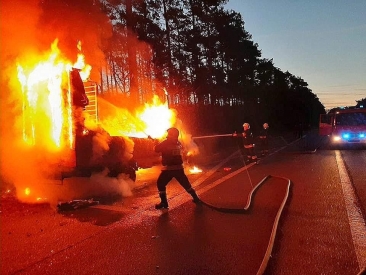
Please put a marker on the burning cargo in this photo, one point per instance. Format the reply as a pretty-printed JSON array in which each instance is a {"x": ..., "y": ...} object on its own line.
[
  {"x": 95, "y": 149},
  {"x": 60, "y": 114},
  {"x": 68, "y": 126}
]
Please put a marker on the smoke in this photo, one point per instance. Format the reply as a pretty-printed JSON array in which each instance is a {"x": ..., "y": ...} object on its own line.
[
  {"x": 18, "y": 36},
  {"x": 99, "y": 184},
  {"x": 72, "y": 21}
]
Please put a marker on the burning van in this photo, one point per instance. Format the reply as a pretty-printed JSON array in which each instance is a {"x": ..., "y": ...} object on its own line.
[
  {"x": 60, "y": 115},
  {"x": 68, "y": 128},
  {"x": 95, "y": 149}
]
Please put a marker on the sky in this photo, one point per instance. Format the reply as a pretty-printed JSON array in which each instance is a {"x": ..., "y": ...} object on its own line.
[{"x": 321, "y": 41}]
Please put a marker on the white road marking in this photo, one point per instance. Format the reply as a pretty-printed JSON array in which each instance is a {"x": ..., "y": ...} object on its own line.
[{"x": 356, "y": 221}]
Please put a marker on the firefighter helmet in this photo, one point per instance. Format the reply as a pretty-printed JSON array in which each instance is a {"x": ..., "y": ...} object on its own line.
[
  {"x": 173, "y": 132},
  {"x": 265, "y": 125}
]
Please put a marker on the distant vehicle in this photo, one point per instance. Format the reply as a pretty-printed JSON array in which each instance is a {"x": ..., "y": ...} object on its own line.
[{"x": 344, "y": 126}]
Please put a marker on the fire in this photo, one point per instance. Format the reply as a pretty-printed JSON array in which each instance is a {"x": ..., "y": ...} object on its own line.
[
  {"x": 48, "y": 114},
  {"x": 42, "y": 99},
  {"x": 80, "y": 64},
  {"x": 47, "y": 100},
  {"x": 28, "y": 196},
  {"x": 195, "y": 170},
  {"x": 154, "y": 119},
  {"x": 157, "y": 117},
  {"x": 47, "y": 106}
]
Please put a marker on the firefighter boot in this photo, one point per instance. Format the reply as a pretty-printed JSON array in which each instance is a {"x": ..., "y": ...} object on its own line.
[
  {"x": 193, "y": 193},
  {"x": 164, "y": 201}
]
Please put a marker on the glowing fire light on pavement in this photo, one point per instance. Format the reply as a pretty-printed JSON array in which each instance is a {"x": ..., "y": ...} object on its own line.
[{"x": 195, "y": 170}]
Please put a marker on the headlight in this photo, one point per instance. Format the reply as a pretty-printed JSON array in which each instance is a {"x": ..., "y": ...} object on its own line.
[{"x": 336, "y": 138}]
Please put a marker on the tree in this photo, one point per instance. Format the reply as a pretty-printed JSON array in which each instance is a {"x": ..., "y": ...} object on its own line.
[
  {"x": 361, "y": 103},
  {"x": 204, "y": 56}
]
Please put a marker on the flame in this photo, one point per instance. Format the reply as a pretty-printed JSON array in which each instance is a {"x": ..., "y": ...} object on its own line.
[
  {"x": 47, "y": 111},
  {"x": 195, "y": 170},
  {"x": 43, "y": 104},
  {"x": 157, "y": 117},
  {"x": 27, "y": 196},
  {"x": 153, "y": 119},
  {"x": 80, "y": 64},
  {"x": 47, "y": 107},
  {"x": 47, "y": 115}
]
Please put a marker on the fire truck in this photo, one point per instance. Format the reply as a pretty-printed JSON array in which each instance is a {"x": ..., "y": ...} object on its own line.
[{"x": 344, "y": 126}]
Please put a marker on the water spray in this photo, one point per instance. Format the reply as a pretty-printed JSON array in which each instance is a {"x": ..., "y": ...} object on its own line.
[{"x": 223, "y": 135}]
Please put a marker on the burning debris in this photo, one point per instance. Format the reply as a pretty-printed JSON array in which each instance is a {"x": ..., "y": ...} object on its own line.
[{"x": 76, "y": 204}]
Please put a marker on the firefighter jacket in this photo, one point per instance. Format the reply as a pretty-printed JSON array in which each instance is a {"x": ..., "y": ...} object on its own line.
[
  {"x": 248, "y": 138},
  {"x": 171, "y": 153},
  {"x": 263, "y": 133}
]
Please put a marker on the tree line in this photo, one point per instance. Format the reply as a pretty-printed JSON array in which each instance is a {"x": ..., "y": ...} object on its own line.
[{"x": 199, "y": 57}]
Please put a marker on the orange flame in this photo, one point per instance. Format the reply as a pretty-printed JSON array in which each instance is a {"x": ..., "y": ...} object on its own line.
[
  {"x": 80, "y": 64},
  {"x": 47, "y": 100},
  {"x": 154, "y": 119},
  {"x": 157, "y": 117},
  {"x": 43, "y": 104},
  {"x": 195, "y": 170}
]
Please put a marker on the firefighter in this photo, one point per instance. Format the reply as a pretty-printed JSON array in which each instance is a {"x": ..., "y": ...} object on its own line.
[
  {"x": 248, "y": 141},
  {"x": 172, "y": 161},
  {"x": 263, "y": 137}
]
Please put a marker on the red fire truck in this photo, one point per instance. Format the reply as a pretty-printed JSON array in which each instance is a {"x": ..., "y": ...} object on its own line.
[{"x": 344, "y": 126}]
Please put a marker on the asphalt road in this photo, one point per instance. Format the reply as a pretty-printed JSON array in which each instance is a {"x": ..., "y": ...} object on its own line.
[{"x": 304, "y": 231}]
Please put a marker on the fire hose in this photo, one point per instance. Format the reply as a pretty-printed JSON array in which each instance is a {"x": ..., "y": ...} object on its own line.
[
  {"x": 248, "y": 204},
  {"x": 253, "y": 190},
  {"x": 244, "y": 210}
]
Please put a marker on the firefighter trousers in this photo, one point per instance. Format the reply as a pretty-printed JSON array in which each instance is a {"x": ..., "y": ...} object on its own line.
[{"x": 167, "y": 175}]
